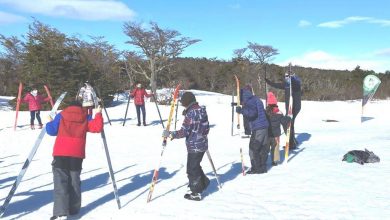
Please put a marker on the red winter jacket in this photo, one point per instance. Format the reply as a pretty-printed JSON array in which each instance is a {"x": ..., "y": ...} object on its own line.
[
  {"x": 138, "y": 94},
  {"x": 71, "y": 127},
  {"x": 34, "y": 102}
]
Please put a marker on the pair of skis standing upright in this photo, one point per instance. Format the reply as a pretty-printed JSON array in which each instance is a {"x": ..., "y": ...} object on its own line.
[
  {"x": 38, "y": 141},
  {"x": 289, "y": 114}
]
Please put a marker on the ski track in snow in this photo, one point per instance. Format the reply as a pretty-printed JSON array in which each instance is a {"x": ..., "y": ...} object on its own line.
[{"x": 315, "y": 184}]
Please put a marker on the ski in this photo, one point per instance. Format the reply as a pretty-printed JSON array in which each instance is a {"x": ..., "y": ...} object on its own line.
[
  {"x": 18, "y": 100},
  {"x": 29, "y": 159},
  {"x": 164, "y": 143},
  {"x": 232, "y": 112},
  {"x": 110, "y": 170},
  {"x": 238, "y": 124},
  {"x": 289, "y": 114},
  {"x": 238, "y": 101},
  {"x": 177, "y": 106},
  {"x": 127, "y": 108},
  {"x": 49, "y": 95}
]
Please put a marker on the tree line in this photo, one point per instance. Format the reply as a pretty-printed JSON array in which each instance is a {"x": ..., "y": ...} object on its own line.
[{"x": 44, "y": 55}]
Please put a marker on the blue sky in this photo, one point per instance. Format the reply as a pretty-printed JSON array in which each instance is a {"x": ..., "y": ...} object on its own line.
[{"x": 331, "y": 34}]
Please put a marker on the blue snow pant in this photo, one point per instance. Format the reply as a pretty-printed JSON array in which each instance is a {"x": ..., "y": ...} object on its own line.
[{"x": 140, "y": 108}]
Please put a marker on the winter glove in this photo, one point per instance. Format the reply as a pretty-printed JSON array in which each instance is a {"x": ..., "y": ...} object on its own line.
[
  {"x": 98, "y": 109},
  {"x": 168, "y": 134},
  {"x": 233, "y": 104},
  {"x": 49, "y": 118},
  {"x": 184, "y": 112},
  {"x": 238, "y": 109}
]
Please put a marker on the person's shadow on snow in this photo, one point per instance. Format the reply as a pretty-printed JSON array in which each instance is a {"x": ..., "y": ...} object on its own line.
[
  {"x": 301, "y": 138},
  {"x": 135, "y": 182},
  {"x": 234, "y": 171}
]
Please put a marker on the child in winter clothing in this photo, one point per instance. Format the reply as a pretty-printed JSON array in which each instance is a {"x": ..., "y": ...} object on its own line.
[
  {"x": 34, "y": 101},
  {"x": 70, "y": 126},
  {"x": 195, "y": 129},
  {"x": 274, "y": 116},
  {"x": 138, "y": 94},
  {"x": 253, "y": 109}
]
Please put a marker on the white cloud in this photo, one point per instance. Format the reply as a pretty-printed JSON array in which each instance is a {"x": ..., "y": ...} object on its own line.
[
  {"x": 354, "y": 19},
  {"x": 323, "y": 60},
  {"x": 7, "y": 18},
  {"x": 383, "y": 52},
  {"x": 304, "y": 23},
  {"x": 341, "y": 23},
  {"x": 92, "y": 10}
]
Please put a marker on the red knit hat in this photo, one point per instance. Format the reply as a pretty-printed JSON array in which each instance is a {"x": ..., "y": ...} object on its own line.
[{"x": 271, "y": 99}]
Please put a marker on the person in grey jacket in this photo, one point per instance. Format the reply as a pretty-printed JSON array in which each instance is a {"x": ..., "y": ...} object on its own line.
[
  {"x": 195, "y": 129},
  {"x": 253, "y": 109}
]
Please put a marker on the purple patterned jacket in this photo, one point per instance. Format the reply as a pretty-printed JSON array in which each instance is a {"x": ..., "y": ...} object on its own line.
[{"x": 195, "y": 128}]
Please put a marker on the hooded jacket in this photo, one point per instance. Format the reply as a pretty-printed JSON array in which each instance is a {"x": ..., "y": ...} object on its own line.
[
  {"x": 195, "y": 128},
  {"x": 71, "y": 127},
  {"x": 253, "y": 109}
]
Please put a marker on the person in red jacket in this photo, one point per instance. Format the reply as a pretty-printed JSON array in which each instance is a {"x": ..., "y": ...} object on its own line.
[
  {"x": 71, "y": 127},
  {"x": 139, "y": 93},
  {"x": 34, "y": 101}
]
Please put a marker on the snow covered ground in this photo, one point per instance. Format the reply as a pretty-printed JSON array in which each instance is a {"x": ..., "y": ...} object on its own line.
[{"x": 315, "y": 184}]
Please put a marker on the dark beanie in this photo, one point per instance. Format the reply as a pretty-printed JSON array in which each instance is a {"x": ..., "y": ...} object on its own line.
[{"x": 187, "y": 98}]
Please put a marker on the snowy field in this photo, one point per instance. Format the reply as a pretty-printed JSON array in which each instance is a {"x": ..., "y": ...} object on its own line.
[{"x": 315, "y": 184}]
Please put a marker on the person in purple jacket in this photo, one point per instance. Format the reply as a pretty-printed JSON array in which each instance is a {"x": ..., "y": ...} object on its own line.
[
  {"x": 195, "y": 129},
  {"x": 253, "y": 109}
]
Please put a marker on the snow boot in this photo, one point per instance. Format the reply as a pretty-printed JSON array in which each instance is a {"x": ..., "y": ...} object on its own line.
[
  {"x": 62, "y": 217},
  {"x": 32, "y": 127},
  {"x": 40, "y": 126},
  {"x": 193, "y": 196}
]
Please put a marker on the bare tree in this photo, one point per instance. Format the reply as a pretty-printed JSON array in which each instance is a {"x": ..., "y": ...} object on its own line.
[
  {"x": 258, "y": 54},
  {"x": 156, "y": 47}
]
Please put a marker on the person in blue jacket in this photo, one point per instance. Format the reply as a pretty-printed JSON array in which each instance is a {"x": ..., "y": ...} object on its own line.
[
  {"x": 296, "y": 96},
  {"x": 253, "y": 109}
]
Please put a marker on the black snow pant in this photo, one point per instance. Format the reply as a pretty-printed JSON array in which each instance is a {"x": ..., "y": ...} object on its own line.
[
  {"x": 140, "y": 108},
  {"x": 198, "y": 181},
  {"x": 258, "y": 150},
  {"x": 67, "y": 186},
  {"x": 36, "y": 113}
]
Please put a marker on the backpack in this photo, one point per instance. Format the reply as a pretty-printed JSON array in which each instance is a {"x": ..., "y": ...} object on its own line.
[{"x": 361, "y": 157}]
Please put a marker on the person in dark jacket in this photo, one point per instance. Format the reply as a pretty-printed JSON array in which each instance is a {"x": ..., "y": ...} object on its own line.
[
  {"x": 139, "y": 94},
  {"x": 274, "y": 116},
  {"x": 35, "y": 101},
  {"x": 253, "y": 109},
  {"x": 247, "y": 128},
  {"x": 296, "y": 96},
  {"x": 195, "y": 129},
  {"x": 70, "y": 126}
]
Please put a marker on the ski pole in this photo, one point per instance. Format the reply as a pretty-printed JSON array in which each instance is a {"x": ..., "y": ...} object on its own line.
[
  {"x": 158, "y": 110},
  {"x": 127, "y": 108},
  {"x": 215, "y": 171}
]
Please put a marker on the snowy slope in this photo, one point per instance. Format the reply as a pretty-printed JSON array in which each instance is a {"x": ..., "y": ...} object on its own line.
[{"x": 315, "y": 184}]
